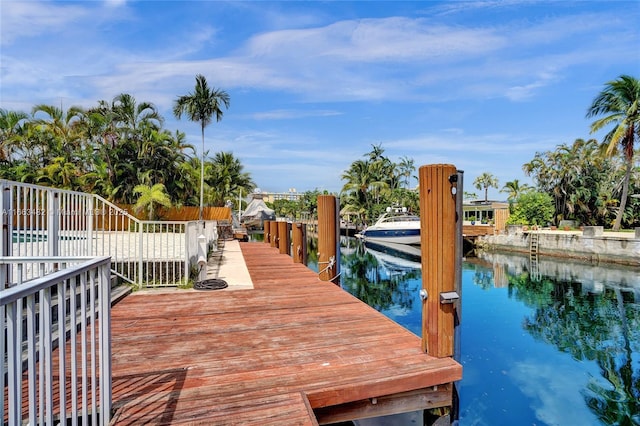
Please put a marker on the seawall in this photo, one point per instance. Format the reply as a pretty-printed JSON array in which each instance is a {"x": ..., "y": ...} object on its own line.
[{"x": 590, "y": 245}]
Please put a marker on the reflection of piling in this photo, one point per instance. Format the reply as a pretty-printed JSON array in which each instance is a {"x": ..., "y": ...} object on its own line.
[
  {"x": 328, "y": 259},
  {"x": 284, "y": 241},
  {"x": 438, "y": 237},
  {"x": 299, "y": 242}
]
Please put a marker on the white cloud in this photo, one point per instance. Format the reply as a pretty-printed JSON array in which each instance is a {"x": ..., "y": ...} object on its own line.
[
  {"x": 30, "y": 19},
  {"x": 554, "y": 391}
]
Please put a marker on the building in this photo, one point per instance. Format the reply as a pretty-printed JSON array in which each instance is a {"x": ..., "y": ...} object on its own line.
[
  {"x": 486, "y": 212},
  {"x": 270, "y": 197}
]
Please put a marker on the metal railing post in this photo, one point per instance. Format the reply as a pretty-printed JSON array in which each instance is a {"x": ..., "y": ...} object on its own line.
[
  {"x": 140, "y": 253},
  {"x": 105, "y": 343},
  {"x": 53, "y": 224}
]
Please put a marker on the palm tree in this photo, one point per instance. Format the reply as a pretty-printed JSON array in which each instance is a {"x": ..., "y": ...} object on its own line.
[
  {"x": 486, "y": 181},
  {"x": 514, "y": 188},
  {"x": 63, "y": 127},
  {"x": 201, "y": 106},
  {"x": 11, "y": 128},
  {"x": 228, "y": 178},
  {"x": 150, "y": 197},
  {"x": 619, "y": 104},
  {"x": 131, "y": 116},
  {"x": 406, "y": 168}
]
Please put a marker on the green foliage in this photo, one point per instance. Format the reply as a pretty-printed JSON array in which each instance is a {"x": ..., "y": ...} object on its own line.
[
  {"x": 579, "y": 178},
  {"x": 619, "y": 105},
  {"x": 110, "y": 149},
  {"x": 373, "y": 184},
  {"x": 150, "y": 197},
  {"x": 532, "y": 208}
]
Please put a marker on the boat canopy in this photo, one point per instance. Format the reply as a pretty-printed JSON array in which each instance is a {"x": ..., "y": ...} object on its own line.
[{"x": 257, "y": 212}]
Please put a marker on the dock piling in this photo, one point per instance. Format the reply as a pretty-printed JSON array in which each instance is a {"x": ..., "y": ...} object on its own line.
[
  {"x": 439, "y": 241},
  {"x": 273, "y": 231},
  {"x": 299, "y": 242},
  {"x": 328, "y": 258},
  {"x": 284, "y": 243}
]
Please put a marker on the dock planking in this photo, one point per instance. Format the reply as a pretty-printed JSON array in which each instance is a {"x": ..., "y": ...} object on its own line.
[{"x": 292, "y": 351}]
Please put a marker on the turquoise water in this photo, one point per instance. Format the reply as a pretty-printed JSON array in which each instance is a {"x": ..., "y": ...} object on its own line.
[{"x": 559, "y": 346}]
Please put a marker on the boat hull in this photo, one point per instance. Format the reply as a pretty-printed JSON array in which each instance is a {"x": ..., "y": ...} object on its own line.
[{"x": 398, "y": 236}]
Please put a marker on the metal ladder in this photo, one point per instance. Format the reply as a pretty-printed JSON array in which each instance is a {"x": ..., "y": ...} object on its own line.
[{"x": 534, "y": 270}]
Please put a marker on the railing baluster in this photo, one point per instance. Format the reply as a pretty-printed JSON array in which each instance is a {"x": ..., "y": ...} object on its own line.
[
  {"x": 45, "y": 334},
  {"x": 62, "y": 348},
  {"x": 92, "y": 280},
  {"x": 31, "y": 358},
  {"x": 13, "y": 359},
  {"x": 73, "y": 347},
  {"x": 83, "y": 346}
]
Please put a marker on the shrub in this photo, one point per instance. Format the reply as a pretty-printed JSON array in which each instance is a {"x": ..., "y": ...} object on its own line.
[{"x": 532, "y": 208}]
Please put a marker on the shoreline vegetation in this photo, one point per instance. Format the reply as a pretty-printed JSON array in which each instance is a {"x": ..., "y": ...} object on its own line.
[{"x": 121, "y": 151}]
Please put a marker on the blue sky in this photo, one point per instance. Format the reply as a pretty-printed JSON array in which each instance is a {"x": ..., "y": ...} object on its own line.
[{"x": 482, "y": 85}]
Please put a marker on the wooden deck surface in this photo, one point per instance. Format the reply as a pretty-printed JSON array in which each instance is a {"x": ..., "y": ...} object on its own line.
[{"x": 289, "y": 351}]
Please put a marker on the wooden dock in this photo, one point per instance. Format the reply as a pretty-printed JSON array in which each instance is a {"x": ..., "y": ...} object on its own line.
[{"x": 293, "y": 351}]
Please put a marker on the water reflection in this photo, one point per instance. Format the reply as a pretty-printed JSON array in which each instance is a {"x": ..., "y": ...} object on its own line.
[
  {"x": 592, "y": 313},
  {"x": 560, "y": 345}
]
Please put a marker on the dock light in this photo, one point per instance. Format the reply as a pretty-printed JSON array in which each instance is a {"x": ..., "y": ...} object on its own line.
[{"x": 448, "y": 297}]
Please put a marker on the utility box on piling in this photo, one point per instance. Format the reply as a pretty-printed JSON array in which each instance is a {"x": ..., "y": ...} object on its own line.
[
  {"x": 439, "y": 243},
  {"x": 328, "y": 259}
]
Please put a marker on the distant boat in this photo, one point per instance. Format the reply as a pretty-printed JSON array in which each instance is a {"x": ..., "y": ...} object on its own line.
[{"x": 395, "y": 226}]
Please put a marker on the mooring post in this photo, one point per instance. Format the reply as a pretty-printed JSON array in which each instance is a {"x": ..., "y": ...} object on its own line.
[
  {"x": 274, "y": 234},
  {"x": 440, "y": 248},
  {"x": 328, "y": 259},
  {"x": 299, "y": 239},
  {"x": 285, "y": 242},
  {"x": 266, "y": 229}
]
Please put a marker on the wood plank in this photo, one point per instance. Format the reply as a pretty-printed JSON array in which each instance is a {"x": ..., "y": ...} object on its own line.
[
  {"x": 386, "y": 405},
  {"x": 264, "y": 356}
]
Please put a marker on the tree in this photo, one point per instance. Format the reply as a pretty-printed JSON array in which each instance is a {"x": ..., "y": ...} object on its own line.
[
  {"x": 201, "y": 106},
  {"x": 11, "y": 128},
  {"x": 578, "y": 178},
  {"x": 619, "y": 104},
  {"x": 149, "y": 199},
  {"x": 406, "y": 168},
  {"x": 484, "y": 182},
  {"x": 532, "y": 208},
  {"x": 227, "y": 178},
  {"x": 514, "y": 189}
]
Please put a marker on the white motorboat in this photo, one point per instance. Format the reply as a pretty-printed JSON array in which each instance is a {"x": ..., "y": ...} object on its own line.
[{"x": 395, "y": 226}]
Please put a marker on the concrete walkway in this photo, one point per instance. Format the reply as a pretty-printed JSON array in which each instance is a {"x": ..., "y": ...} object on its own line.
[{"x": 227, "y": 263}]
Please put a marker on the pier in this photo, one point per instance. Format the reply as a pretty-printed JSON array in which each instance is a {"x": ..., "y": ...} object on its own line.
[{"x": 293, "y": 350}]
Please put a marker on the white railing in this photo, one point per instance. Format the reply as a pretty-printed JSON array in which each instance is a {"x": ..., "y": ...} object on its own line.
[
  {"x": 43, "y": 221},
  {"x": 56, "y": 342}
]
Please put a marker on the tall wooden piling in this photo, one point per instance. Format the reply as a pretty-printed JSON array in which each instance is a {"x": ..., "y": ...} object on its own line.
[
  {"x": 284, "y": 242},
  {"x": 299, "y": 242},
  {"x": 273, "y": 230},
  {"x": 266, "y": 229},
  {"x": 439, "y": 242},
  {"x": 328, "y": 259}
]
